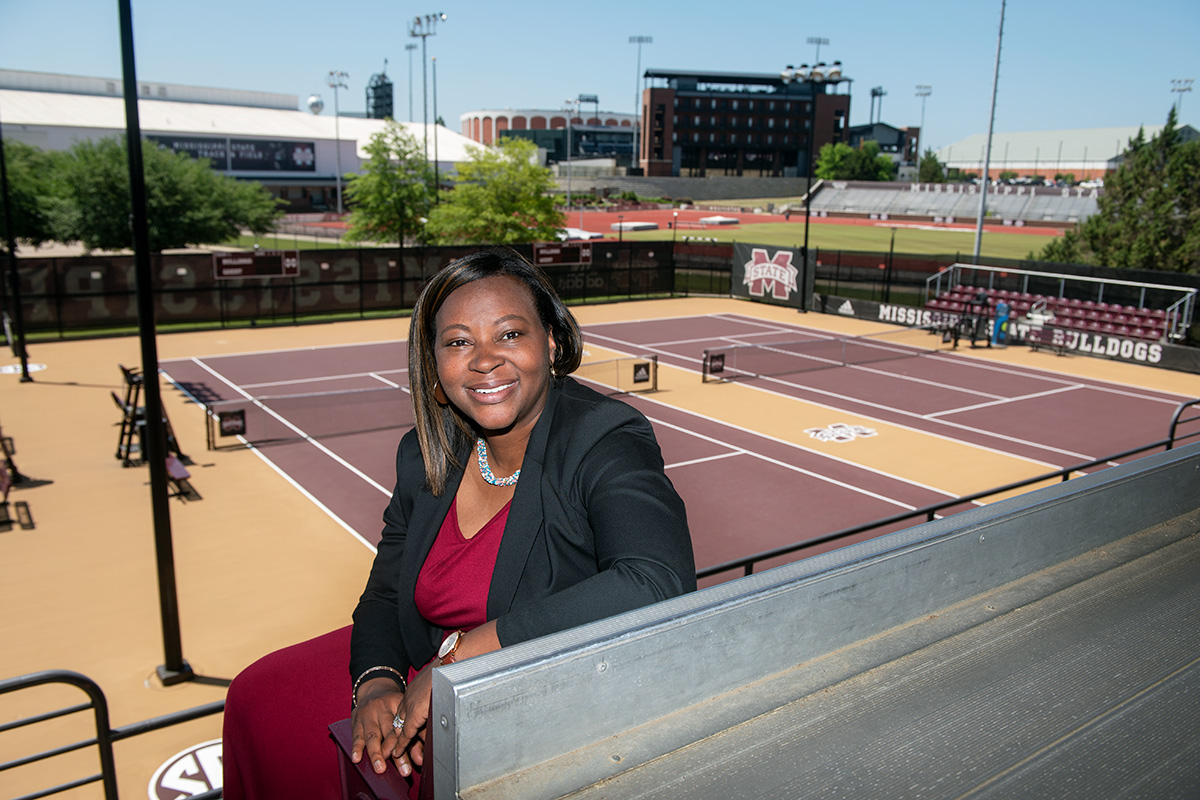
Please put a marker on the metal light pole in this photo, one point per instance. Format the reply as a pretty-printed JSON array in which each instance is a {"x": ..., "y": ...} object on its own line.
[
  {"x": 14, "y": 280},
  {"x": 410, "y": 47},
  {"x": 818, "y": 41},
  {"x": 923, "y": 92},
  {"x": 337, "y": 81},
  {"x": 637, "y": 106},
  {"x": 1179, "y": 86},
  {"x": 991, "y": 124},
  {"x": 570, "y": 106},
  {"x": 437, "y": 178},
  {"x": 423, "y": 28},
  {"x": 175, "y": 668},
  {"x": 818, "y": 74}
]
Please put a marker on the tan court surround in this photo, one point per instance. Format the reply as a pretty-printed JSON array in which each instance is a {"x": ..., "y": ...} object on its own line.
[{"x": 258, "y": 566}]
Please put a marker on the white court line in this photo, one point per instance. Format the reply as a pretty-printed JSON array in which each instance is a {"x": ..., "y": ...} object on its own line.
[
  {"x": 718, "y": 457},
  {"x": 319, "y": 379},
  {"x": 978, "y": 406},
  {"x": 355, "y": 470},
  {"x": 283, "y": 474},
  {"x": 785, "y": 465},
  {"x": 215, "y": 356},
  {"x": 898, "y": 411},
  {"x": 1034, "y": 373}
]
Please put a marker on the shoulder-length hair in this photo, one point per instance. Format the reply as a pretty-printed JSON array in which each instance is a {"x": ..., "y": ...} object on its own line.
[{"x": 442, "y": 430}]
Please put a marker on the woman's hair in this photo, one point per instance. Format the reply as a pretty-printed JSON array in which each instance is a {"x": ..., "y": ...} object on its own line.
[{"x": 442, "y": 430}]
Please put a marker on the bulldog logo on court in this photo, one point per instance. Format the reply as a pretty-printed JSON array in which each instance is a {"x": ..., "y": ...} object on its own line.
[
  {"x": 774, "y": 274},
  {"x": 841, "y": 432}
]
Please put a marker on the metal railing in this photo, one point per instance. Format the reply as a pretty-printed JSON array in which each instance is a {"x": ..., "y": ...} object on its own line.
[
  {"x": 105, "y": 735},
  {"x": 929, "y": 512}
]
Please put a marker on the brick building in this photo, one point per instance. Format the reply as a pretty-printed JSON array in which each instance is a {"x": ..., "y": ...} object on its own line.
[{"x": 701, "y": 124}]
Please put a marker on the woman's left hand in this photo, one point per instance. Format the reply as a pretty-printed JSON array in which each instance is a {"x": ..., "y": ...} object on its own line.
[{"x": 414, "y": 710}]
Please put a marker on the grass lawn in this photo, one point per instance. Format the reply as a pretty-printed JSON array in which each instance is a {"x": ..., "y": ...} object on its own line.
[
  {"x": 286, "y": 242},
  {"x": 869, "y": 238}
]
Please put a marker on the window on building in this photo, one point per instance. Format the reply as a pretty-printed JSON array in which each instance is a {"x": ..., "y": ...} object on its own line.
[
  {"x": 770, "y": 139},
  {"x": 695, "y": 137},
  {"x": 713, "y": 103},
  {"x": 735, "y": 105},
  {"x": 712, "y": 120},
  {"x": 771, "y": 122},
  {"x": 771, "y": 106},
  {"x": 712, "y": 138},
  {"x": 750, "y": 105}
]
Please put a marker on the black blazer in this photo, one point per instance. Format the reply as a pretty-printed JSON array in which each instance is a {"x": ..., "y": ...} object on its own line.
[{"x": 595, "y": 529}]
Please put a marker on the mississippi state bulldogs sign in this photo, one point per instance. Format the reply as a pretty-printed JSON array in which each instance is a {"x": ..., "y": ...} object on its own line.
[{"x": 773, "y": 275}]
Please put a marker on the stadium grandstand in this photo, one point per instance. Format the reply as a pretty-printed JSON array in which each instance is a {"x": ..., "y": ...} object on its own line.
[
  {"x": 247, "y": 135},
  {"x": 955, "y": 202},
  {"x": 1086, "y": 153}
]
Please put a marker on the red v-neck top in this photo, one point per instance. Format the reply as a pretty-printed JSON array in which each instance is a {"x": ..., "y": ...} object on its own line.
[{"x": 452, "y": 588}]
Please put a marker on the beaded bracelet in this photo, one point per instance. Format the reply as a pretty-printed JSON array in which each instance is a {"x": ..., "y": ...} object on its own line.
[{"x": 398, "y": 678}]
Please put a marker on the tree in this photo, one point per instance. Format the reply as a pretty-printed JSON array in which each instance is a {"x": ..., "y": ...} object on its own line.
[
  {"x": 393, "y": 192},
  {"x": 841, "y": 162},
  {"x": 32, "y": 187},
  {"x": 187, "y": 203},
  {"x": 501, "y": 196},
  {"x": 929, "y": 169},
  {"x": 1149, "y": 214}
]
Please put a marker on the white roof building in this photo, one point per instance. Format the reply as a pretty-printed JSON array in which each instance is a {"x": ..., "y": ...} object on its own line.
[
  {"x": 259, "y": 136},
  {"x": 1085, "y": 152}
]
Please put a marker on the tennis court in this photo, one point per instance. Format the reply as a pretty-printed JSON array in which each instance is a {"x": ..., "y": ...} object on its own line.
[
  {"x": 824, "y": 431},
  {"x": 270, "y": 555}
]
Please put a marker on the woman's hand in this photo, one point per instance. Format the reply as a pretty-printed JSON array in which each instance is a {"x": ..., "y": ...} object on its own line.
[
  {"x": 379, "y": 702},
  {"x": 414, "y": 710}
]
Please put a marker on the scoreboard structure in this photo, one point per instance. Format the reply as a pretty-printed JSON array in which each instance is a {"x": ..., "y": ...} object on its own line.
[{"x": 257, "y": 264}]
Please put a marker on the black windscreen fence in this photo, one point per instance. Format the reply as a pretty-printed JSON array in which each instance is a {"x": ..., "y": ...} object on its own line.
[{"x": 94, "y": 293}]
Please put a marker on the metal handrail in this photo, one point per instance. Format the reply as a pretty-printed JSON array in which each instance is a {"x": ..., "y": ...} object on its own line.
[
  {"x": 747, "y": 563},
  {"x": 105, "y": 736}
]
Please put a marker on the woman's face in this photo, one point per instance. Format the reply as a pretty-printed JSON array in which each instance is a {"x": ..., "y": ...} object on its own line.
[{"x": 493, "y": 355}]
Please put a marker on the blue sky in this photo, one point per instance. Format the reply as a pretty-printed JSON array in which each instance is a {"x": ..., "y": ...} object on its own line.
[{"x": 1065, "y": 63}]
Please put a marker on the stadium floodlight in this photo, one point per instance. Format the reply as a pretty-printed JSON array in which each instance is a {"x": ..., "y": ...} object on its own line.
[
  {"x": 337, "y": 80},
  {"x": 570, "y": 106},
  {"x": 423, "y": 28},
  {"x": 818, "y": 41},
  {"x": 923, "y": 92},
  {"x": 637, "y": 106},
  {"x": 1179, "y": 86},
  {"x": 819, "y": 73}
]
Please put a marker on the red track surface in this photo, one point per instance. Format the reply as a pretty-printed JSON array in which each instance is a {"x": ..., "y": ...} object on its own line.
[{"x": 600, "y": 222}]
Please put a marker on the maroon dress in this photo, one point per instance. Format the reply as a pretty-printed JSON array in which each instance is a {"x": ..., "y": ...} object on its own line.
[{"x": 276, "y": 739}]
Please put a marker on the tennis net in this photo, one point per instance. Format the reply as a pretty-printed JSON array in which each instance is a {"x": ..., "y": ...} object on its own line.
[
  {"x": 322, "y": 415},
  {"x": 314, "y": 415},
  {"x": 774, "y": 359},
  {"x": 623, "y": 374}
]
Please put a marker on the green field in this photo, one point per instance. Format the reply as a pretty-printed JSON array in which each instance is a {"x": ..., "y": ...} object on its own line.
[{"x": 873, "y": 239}]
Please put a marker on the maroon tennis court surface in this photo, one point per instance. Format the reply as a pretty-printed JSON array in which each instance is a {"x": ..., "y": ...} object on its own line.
[{"x": 745, "y": 492}]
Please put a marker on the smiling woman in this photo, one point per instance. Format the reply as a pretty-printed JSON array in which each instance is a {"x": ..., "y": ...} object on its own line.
[{"x": 525, "y": 504}]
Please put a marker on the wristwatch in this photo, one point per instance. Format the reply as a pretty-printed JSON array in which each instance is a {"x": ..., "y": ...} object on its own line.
[{"x": 450, "y": 647}]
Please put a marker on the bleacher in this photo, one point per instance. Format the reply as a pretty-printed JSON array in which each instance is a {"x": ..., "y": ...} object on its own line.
[
  {"x": 1024, "y": 204},
  {"x": 1083, "y": 315},
  {"x": 1129, "y": 309}
]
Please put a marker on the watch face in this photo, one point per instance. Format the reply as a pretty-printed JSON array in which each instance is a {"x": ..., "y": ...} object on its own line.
[{"x": 448, "y": 644}]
